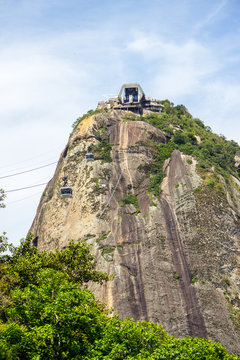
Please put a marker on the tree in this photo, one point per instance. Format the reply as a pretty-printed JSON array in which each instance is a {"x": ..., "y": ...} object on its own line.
[
  {"x": 25, "y": 262},
  {"x": 45, "y": 309},
  {"x": 3, "y": 242},
  {"x": 47, "y": 313},
  {"x": 148, "y": 341},
  {"x": 2, "y": 197},
  {"x": 52, "y": 319}
]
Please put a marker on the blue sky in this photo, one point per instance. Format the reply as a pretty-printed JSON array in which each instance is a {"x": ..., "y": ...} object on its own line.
[{"x": 59, "y": 58}]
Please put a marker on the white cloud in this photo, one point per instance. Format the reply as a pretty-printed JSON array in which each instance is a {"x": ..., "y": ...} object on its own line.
[
  {"x": 178, "y": 68},
  {"x": 220, "y": 108},
  {"x": 33, "y": 81},
  {"x": 194, "y": 75},
  {"x": 44, "y": 86}
]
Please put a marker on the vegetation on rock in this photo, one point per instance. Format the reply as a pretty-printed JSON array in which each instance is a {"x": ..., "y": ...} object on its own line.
[
  {"x": 103, "y": 148},
  {"x": 214, "y": 153},
  {"x": 130, "y": 199},
  {"x": 84, "y": 116}
]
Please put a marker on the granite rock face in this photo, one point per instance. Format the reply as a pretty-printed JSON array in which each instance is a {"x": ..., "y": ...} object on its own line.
[{"x": 175, "y": 258}]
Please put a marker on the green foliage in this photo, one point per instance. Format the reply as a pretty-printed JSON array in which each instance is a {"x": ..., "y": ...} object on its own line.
[
  {"x": 194, "y": 280},
  {"x": 233, "y": 303},
  {"x": 130, "y": 199},
  {"x": 107, "y": 250},
  {"x": 44, "y": 312},
  {"x": 210, "y": 183},
  {"x": 212, "y": 151},
  {"x": 25, "y": 262},
  {"x": 3, "y": 243},
  {"x": 227, "y": 281},
  {"x": 84, "y": 116},
  {"x": 103, "y": 148},
  {"x": 161, "y": 122},
  {"x": 129, "y": 116},
  {"x": 102, "y": 237},
  {"x": 127, "y": 339},
  {"x": 164, "y": 151},
  {"x": 49, "y": 314},
  {"x": 2, "y": 197},
  {"x": 52, "y": 319},
  {"x": 197, "y": 190},
  {"x": 176, "y": 276},
  {"x": 148, "y": 341},
  {"x": 179, "y": 138}
]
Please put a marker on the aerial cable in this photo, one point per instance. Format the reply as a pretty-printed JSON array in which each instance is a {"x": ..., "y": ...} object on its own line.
[
  {"x": 26, "y": 171},
  {"x": 27, "y": 187},
  {"x": 23, "y": 167},
  {"x": 52, "y": 149},
  {"x": 40, "y": 180},
  {"x": 25, "y": 198}
]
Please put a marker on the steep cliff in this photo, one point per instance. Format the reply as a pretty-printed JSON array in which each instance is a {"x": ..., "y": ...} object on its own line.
[{"x": 174, "y": 252}]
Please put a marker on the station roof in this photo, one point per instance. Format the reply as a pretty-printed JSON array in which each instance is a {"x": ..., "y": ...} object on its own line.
[{"x": 133, "y": 85}]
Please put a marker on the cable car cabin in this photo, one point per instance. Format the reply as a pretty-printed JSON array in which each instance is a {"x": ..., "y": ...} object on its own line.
[
  {"x": 66, "y": 192},
  {"x": 89, "y": 157}
]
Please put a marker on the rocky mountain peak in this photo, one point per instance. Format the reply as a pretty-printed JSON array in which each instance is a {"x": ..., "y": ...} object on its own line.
[{"x": 160, "y": 205}]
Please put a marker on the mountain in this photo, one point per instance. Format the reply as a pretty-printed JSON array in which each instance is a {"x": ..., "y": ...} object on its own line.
[{"x": 160, "y": 205}]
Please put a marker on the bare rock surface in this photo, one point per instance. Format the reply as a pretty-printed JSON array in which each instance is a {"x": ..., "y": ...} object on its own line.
[{"x": 171, "y": 255}]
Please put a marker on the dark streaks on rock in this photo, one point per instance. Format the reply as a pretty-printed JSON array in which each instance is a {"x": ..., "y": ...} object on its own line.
[{"x": 195, "y": 320}]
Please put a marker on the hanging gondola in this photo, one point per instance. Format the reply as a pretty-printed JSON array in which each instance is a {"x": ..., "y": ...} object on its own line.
[
  {"x": 89, "y": 157},
  {"x": 65, "y": 191}
]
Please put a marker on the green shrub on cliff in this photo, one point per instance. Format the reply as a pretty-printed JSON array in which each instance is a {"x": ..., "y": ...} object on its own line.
[
  {"x": 191, "y": 137},
  {"x": 130, "y": 199},
  {"x": 84, "y": 116},
  {"x": 103, "y": 148}
]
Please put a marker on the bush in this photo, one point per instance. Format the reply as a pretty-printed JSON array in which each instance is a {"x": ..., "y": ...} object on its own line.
[
  {"x": 84, "y": 116},
  {"x": 179, "y": 138},
  {"x": 103, "y": 148},
  {"x": 210, "y": 183},
  {"x": 130, "y": 199}
]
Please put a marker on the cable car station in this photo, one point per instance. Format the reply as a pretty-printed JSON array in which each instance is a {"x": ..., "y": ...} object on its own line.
[{"x": 132, "y": 98}]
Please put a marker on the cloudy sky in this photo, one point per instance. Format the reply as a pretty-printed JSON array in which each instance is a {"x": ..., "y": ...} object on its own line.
[{"x": 58, "y": 58}]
